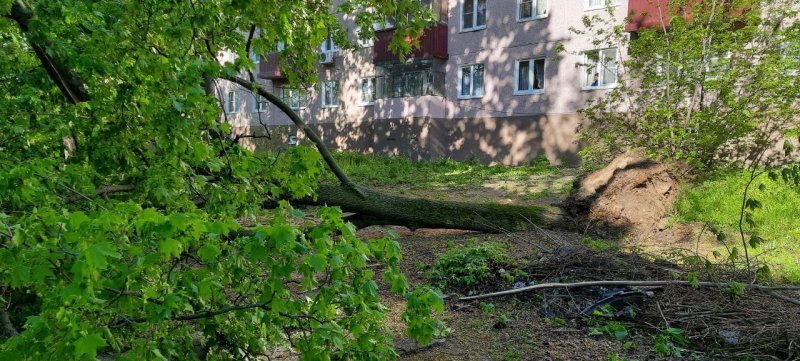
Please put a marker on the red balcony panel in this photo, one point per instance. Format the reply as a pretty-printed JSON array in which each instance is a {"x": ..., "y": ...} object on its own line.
[
  {"x": 648, "y": 13},
  {"x": 651, "y": 13},
  {"x": 432, "y": 44},
  {"x": 268, "y": 68}
]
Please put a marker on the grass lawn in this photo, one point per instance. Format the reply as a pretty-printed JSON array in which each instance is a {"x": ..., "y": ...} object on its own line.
[
  {"x": 717, "y": 201},
  {"x": 714, "y": 200},
  {"x": 388, "y": 170},
  {"x": 470, "y": 181}
]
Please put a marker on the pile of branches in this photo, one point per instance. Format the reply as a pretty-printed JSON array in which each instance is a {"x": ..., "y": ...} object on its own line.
[{"x": 574, "y": 280}]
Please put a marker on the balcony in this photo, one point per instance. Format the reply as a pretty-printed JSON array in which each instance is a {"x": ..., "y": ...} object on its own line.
[
  {"x": 647, "y": 13},
  {"x": 432, "y": 44},
  {"x": 268, "y": 68}
]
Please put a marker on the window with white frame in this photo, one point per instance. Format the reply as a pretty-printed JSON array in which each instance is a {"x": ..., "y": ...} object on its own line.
[
  {"x": 367, "y": 91},
  {"x": 529, "y": 75},
  {"x": 232, "y": 102},
  {"x": 364, "y": 42},
  {"x": 473, "y": 15},
  {"x": 329, "y": 94},
  {"x": 260, "y": 104},
  {"x": 600, "y": 68},
  {"x": 717, "y": 65},
  {"x": 531, "y": 9},
  {"x": 600, "y": 4},
  {"x": 295, "y": 98},
  {"x": 470, "y": 81}
]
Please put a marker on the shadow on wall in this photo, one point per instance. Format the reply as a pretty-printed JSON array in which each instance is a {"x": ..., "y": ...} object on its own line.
[{"x": 502, "y": 125}]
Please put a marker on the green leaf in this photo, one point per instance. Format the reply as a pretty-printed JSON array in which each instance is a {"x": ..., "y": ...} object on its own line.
[
  {"x": 208, "y": 252},
  {"x": 170, "y": 247},
  {"x": 97, "y": 253},
  {"x": 88, "y": 345},
  {"x": 318, "y": 262}
]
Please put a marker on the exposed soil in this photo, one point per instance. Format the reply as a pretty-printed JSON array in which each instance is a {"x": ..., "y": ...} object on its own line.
[
  {"x": 757, "y": 323},
  {"x": 632, "y": 195},
  {"x": 629, "y": 203}
]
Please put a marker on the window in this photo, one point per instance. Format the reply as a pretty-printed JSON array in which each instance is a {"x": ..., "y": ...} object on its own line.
[
  {"x": 531, "y": 9},
  {"x": 600, "y": 68},
  {"x": 470, "y": 81},
  {"x": 600, "y": 4},
  {"x": 260, "y": 104},
  {"x": 410, "y": 84},
  {"x": 529, "y": 74},
  {"x": 717, "y": 65},
  {"x": 256, "y": 58},
  {"x": 232, "y": 102},
  {"x": 367, "y": 91},
  {"x": 364, "y": 42},
  {"x": 473, "y": 15},
  {"x": 329, "y": 94},
  {"x": 296, "y": 98}
]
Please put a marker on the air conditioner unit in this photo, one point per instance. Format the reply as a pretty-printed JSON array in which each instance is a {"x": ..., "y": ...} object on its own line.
[{"x": 326, "y": 57}]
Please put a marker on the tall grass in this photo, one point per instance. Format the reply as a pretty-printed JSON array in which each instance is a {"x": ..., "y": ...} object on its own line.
[{"x": 718, "y": 200}]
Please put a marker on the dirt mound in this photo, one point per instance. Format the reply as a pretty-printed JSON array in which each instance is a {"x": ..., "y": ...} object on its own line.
[{"x": 632, "y": 194}]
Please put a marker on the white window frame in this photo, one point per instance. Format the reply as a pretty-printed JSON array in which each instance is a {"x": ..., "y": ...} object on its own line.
[
  {"x": 474, "y": 16},
  {"x": 472, "y": 81},
  {"x": 370, "y": 79},
  {"x": 596, "y": 66},
  {"x": 533, "y": 16},
  {"x": 612, "y": 3},
  {"x": 713, "y": 60},
  {"x": 364, "y": 43},
  {"x": 294, "y": 101},
  {"x": 260, "y": 104},
  {"x": 325, "y": 87},
  {"x": 231, "y": 102},
  {"x": 531, "y": 74}
]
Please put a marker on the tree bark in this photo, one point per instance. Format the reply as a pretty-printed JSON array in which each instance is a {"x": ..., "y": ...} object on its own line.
[
  {"x": 376, "y": 208},
  {"x": 370, "y": 207}
]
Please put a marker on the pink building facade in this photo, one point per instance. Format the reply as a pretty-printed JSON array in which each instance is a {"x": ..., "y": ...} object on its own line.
[{"x": 499, "y": 80}]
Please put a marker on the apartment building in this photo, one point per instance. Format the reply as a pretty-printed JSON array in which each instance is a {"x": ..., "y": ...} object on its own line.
[{"x": 487, "y": 81}]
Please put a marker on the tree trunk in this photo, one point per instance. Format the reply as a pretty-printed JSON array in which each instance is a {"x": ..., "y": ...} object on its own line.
[
  {"x": 376, "y": 208},
  {"x": 370, "y": 207}
]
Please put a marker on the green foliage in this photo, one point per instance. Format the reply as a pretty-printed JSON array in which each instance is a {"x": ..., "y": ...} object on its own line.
[
  {"x": 133, "y": 225},
  {"x": 717, "y": 201},
  {"x": 487, "y": 307},
  {"x": 556, "y": 321},
  {"x": 512, "y": 355},
  {"x": 668, "y": 343},
  {"x": 735, "y": 290},
  {"x": 599, "y": 244},
  {"x": 467, "y": 268},
  {"x": 699, "y": 91},
  {"x": 400, "y": 171},
  {"x": 602, "y": 323}
]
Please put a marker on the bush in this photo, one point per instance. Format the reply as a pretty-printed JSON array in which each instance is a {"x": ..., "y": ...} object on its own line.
[{"x": 468, "y": 268}]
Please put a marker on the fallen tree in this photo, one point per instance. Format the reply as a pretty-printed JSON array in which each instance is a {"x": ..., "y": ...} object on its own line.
[{"x": 370, "y": 207}]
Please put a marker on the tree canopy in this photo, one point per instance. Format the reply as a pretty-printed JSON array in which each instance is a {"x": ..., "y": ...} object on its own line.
[{"x": 132, "y": 224}]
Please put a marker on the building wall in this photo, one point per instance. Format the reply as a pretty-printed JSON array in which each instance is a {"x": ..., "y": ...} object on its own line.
[{"x": 498, "y": 127}]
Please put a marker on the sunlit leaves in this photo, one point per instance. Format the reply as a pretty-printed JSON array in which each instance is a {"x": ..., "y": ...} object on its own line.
[{"x": 126, "y": 215}]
